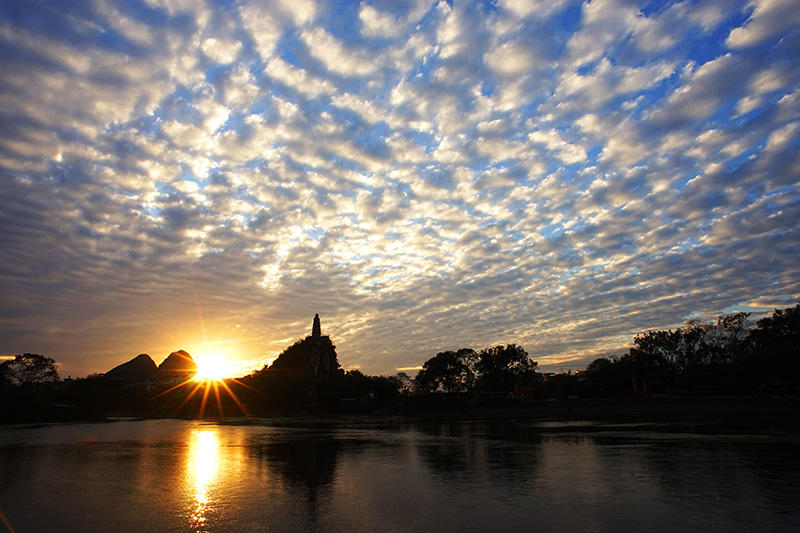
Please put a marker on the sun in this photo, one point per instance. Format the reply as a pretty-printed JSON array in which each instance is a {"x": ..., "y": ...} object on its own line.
[{"x": 213, "y": 367}]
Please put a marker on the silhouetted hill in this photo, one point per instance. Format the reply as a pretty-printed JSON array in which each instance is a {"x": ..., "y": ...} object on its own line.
[
  {"x": 178, "y": 365},
  {"x": 142, "y": 368},
  {"x": 313, "y": 357},
  {"x": 139, "y": 369},
  {"x": 179, "y": 361}
]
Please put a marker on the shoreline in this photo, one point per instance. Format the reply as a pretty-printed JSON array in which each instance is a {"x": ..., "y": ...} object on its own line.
[
  {"x": 784, "y": 410},
  {"x": 737, "y": 413}
]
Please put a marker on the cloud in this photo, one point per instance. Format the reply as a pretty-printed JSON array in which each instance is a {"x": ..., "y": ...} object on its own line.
[
  {"x": 375, "y": 23},
  {"x": 510, "y": 59},
  {"x": 336, "y": 57},
  {"x": 301, "y": 11},
  {"x": 568, "y": 152},
  {"x": 606, "y": 82},
  {"x": 768, "y": 19},
  {"x": 705, "y": 88},
  {"x": 298, "y": 79},
  {"x": 526, "y": 8},
  {"x": 425, "y": 175},
  {"x": 221, "y": 50},
  {"x": 262, "y": 26},
  {"x": 603, "y": 23},
  {"x": 363, "y": 108}
]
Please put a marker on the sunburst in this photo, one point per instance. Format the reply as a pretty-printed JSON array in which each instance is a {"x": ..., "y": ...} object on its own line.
[{"x": 203, "y": 387}]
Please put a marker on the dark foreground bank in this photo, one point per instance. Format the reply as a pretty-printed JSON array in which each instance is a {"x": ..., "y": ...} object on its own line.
[{"x": 735, "y": 413}]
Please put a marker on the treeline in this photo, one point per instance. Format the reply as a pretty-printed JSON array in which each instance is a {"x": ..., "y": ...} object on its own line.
[
  {"x": 722, "y": 357},
  {"x": 462, "y": 376},
  {"x": 493, "y": 372}
]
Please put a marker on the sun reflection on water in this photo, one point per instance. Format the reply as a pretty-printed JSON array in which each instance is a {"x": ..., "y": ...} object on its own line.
[{"x": 204, "y": 459}]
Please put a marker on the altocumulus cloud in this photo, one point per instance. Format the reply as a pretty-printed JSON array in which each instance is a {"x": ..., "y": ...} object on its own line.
[{"x": 425, "y": 175}]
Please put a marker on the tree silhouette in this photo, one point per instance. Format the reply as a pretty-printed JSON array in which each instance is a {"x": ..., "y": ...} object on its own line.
[
  {"x": 782, "y": 329},
  {"x": 29, "y": 370},
  {"x": 600, "y": 368},
  {"x": 447, "y": 371},
  {"x": 501, "y": 368},
  {"x": 655, "y": 351},
  {"x": 27, "y": 389},
  {"x": 726, "y": 340},
  {"x": 774, "y": 355}
]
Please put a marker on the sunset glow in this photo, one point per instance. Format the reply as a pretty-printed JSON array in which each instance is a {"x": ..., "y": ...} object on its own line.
[{"x": 214, "y": 367}]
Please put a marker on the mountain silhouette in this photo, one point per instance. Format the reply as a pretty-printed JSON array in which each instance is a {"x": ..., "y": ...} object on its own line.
[
  {"x": 139, "y": 369},
  {"x": 142, "y": 368},
  {"x": 178, "y": 365},
  {"x": 179, "y": 361}
]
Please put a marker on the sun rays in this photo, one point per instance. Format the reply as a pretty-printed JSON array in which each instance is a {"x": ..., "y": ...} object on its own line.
[{"x": 203, "y": 397}]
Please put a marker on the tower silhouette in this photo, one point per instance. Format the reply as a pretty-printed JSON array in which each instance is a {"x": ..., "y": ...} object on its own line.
[{"x": 316, "y": 329}]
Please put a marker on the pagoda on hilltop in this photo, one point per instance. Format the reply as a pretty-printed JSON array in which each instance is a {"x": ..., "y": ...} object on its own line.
[
  {"x": 313, "y": 357},
  {"x": 316, "y": 328}
]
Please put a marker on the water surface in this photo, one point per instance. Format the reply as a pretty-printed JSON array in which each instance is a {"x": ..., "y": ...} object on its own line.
[{"x": 393, "y": 474}]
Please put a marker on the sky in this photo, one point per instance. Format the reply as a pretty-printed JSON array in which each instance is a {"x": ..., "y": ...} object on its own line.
[{"x": 425, "y": 175}]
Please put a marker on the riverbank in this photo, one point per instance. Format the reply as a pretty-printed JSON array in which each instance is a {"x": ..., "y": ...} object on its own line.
[
  {"x": 746, "y": 412},
  {"x": 761, "y": 413}
]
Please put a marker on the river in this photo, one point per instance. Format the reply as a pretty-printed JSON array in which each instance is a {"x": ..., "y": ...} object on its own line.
[{"x": 393, "y": 474}]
